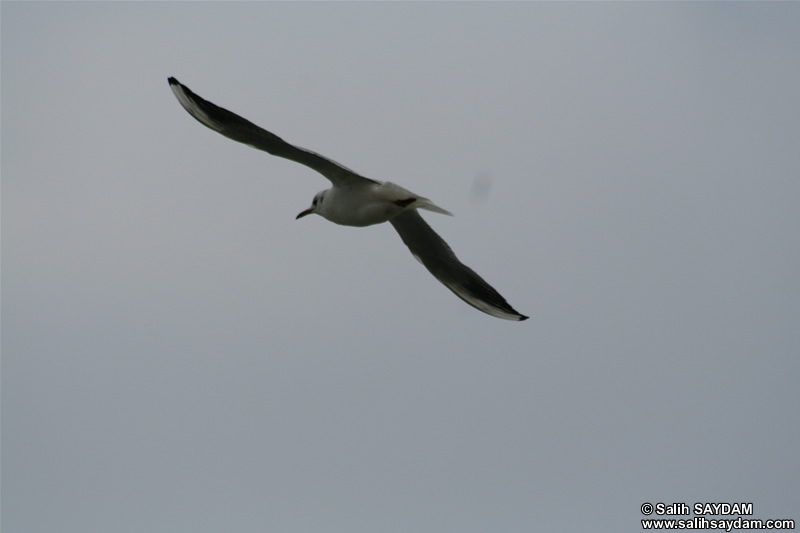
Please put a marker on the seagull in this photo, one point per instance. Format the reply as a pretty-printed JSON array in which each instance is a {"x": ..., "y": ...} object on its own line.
[{"x": 355, "y": 200}]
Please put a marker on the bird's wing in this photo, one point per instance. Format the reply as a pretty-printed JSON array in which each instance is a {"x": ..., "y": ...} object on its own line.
[
  {"x": 239, "y": 129},
  {"x": 439, "y": 259}
]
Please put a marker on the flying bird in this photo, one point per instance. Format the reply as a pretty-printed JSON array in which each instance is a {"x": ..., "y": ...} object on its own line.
[{"x": 355, "y": 200}]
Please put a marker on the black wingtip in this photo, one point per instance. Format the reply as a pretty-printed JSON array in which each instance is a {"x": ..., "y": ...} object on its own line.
[
  {"x": 522, "y": 317},
  {"x": 173, "y": 81}
]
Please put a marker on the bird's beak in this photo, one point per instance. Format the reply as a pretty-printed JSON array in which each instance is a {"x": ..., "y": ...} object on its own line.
[{"x": 304, "y": 213}]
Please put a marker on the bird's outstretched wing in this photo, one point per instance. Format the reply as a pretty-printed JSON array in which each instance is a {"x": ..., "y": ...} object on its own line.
[
  {"x": 439, "y": 259},
  {"x": 239, "y": 129}
]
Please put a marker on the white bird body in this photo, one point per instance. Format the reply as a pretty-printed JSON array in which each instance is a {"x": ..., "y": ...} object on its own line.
[
  {"x": 367, "y": 203},
  {"x": 355, "y": 200}
]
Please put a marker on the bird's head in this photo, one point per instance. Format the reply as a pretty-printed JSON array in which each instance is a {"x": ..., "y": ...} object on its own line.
[{"x": 316, "y": 205}]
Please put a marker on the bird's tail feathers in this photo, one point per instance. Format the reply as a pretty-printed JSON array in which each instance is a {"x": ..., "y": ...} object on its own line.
[{"x": 424, "y": 203}]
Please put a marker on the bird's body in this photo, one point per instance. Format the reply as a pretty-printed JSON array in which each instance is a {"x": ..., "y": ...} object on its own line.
[
  {"x": 365, "y": 204},
  {"x": 355, "y": 200}
]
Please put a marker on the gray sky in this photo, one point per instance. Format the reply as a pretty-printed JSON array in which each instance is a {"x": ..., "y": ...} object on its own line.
[{"x": 180, "y": 354}]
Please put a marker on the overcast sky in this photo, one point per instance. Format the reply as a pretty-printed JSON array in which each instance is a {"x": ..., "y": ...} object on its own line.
[{"x": 180, "y": 355}]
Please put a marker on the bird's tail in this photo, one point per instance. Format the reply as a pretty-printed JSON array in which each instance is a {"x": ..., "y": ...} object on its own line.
[
  {"x": 407, "y": 199},
  {"x": 424, "y": 203}
]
